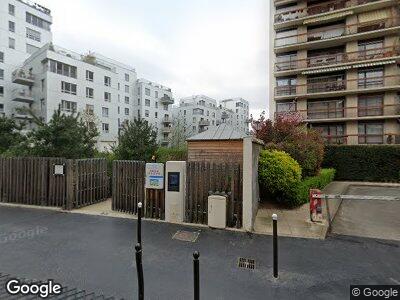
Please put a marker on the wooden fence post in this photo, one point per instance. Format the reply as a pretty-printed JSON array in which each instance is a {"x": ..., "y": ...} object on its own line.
[{"x": 69, "y": 205}]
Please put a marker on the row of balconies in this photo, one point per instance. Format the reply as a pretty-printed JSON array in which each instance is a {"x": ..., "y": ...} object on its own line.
[
  {"x": 336, "y": 31},
  {"x": 356, "y": 112},
  {"x": 387, "y": 139},
  {"x": 337, "y": 58},
  {"x": 333, "y": 84},
  {"x": 316, "y": 9}
]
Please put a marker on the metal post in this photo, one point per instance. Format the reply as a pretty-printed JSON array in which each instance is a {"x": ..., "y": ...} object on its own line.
[
  {"x": 139, "y": 269},
  {"x": 275, "y": 243},
  {"x": 196, "y": 270},
  {"x": 139, "y": 225}
]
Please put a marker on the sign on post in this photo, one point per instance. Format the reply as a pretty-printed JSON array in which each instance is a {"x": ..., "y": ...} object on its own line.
[{"x": 155, "y": 176}]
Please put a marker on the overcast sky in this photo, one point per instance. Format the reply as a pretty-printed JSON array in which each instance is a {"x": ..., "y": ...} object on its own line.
[{"x": 213, "y": 47}]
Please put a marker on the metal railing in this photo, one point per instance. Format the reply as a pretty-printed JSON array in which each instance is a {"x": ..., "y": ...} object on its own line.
[
  {"x": 336, "y": 31},
  {"x": 328, "y": 84},
  {"x": 338, "y": 58},
  {"x": 318, "y": 9}
]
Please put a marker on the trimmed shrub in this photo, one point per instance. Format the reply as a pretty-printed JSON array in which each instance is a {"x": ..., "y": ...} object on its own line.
[
  {"x": 279, "y": 176},
  {"x": 164, "y": 154},
  {"x": 364, "y": 163},
  {"x": 320, "y": 181}
]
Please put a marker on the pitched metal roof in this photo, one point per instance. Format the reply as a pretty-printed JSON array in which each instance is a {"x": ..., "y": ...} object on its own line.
[{"x": 220, "y": 132}]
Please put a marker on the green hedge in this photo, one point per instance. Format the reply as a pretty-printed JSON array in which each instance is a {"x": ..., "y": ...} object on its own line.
[
  {"x": 164, "y": 154},
  {"x": 364, "y": 163},
  {"x": 320, "y": 181}
]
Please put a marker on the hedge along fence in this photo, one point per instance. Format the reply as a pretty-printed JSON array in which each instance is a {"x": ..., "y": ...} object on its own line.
[
  {"x": 364, "y": 163},
  {"x": 320, "y": 181}
]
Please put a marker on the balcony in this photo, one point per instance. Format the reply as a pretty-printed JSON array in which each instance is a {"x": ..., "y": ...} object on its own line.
[
  {"x": 166, "y": 129},
  {"x": 164, "y": 142},
  {"x": 338, "y": 59},
  {"x": 23, "y": 77},
  {"x": 333, "y": 33},
  {"x": 313, "y": 10},
  {"x": 373, "y": 139},
  {"x": 376, "y": 112},
  {"x": 21, "y": 114},
  {"x": 166, "y": 100},
  {"x": 167, "y": 120},
  {"x": 22, "y": 95},
  {"x": 331, "y": 85}
]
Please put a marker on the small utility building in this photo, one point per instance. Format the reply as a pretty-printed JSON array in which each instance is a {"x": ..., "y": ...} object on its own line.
[{"x": 217, "y": 144}]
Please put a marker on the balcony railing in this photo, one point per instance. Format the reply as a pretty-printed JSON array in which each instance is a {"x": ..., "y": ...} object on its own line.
[
  {"x": 204, "y": 123},
  {"x": 345, "y": 112},
  {"x": 167, "y": 120},
  {"x": 388, "y": 139},
  {"x": 338, "y": 58},
  {"x": 336, "y": 31},
  {"x": 317, "y": 9},
  {"x": 329, "y": 84},
  {"x": 22, "y": 95}
]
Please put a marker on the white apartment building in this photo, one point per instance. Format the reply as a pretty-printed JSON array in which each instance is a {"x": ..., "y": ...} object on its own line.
[
  {"x": 199, "y": 111},
  {"x": 24, "y": 28},
  {"x": 153, "y": 102},
  {"x": 240, "y": 107},
  {"x": 98, "y": 88}
]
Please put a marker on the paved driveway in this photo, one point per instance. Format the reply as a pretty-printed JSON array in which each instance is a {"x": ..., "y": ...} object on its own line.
[
  {"x": 369, "y": 218},
  {"x": 96, "y": 254}
]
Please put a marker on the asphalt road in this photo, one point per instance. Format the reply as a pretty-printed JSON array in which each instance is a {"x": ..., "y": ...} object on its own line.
[{"x": 96, "y": 254}]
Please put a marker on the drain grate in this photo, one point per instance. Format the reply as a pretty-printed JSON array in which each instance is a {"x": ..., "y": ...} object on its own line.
[
  {"x": 246, "y": 263},
  {"x": 186, "y": 236}
]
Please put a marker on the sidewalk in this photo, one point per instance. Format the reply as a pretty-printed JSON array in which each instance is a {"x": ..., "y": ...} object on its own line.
[{"x": 296, "y": 222}]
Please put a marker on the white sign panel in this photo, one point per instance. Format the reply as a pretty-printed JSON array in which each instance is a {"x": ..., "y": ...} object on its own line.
[{"x": 155, "y": 176}]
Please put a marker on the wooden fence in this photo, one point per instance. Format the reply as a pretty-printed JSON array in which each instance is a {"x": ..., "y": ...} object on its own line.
[
  {"x": 155, "y": 204},
  {"x": 128, "y": 185},
  {"x": 33, "y": 181},
  {"x": 206, "y": 177}
]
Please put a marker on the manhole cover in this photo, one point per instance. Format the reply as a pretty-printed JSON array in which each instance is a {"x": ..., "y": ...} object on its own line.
[
  {"x": 246, "y": 263},
  {"x": 186, "y": 236}
]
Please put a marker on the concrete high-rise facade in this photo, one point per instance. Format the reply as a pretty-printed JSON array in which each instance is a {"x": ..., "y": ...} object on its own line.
[{"x": 336, "y": 64}]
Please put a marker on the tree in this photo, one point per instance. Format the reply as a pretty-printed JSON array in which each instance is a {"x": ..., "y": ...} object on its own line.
[
  {"x": 137, "y": 141},
  {"x": 64, "y": 136},
  {"x": 10, "y": 134},
  {"x": 178, "y": 134},
  {"x": 288, "y": 133}
]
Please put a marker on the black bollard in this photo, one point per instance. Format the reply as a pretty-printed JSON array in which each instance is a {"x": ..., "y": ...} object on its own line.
[
  {"x": 196, "y": 270},
  {"x": 139, "y": 225},
  {"x": 275, "y": 243},
  {"x": 139, "y": 268}
]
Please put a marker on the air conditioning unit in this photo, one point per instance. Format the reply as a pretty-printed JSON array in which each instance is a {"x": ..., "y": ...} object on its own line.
[{"x": 217, "y": 211}]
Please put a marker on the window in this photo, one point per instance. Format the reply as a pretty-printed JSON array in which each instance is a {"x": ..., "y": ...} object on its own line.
[
  {"x": 107, "y": 81},
  {"x": 104, "y": 112},
  {"x": 126, "y": 88},
  {"x": 11, "y": 9},
  {"x": 89, "y": 92},
  {"x": 126, "y": 111},
  {"x": 370, "y": 133},
  {"x": 90, "y": 109},
  {"x": 370, "y": 77},
  {"x": 184, "y": 112},
  {"x": 286, "y": 86},
  {"x": 331, "y": 83},
  {"x": 1, "y": 108},
  {"x": 156, "y": 94},
  {"x": 105, "y": 127},
  {"x": 1, "y": 56},
  {"x": 325, "y": 109},
  {"x": 11, "y": 43},
  {"x": 31, "y": 49},
  {"x": 89, "y": 75},
  {"x": 166, "y": 107},
  {"x": 147, "y": 102},
  {"x": 138, "y": 101},
  {"x": 33, "y": 34},
  {"x": 156, "y": 115},
  {"x": 146, "y": 113},
  {"x": 1, "y": 91},
  {"x": 126, "y": 100},
  {"x": 370, "y": 105},
  {"x": 371, "y": 49},
  {"x": 156, "y": 104},
  {"x": 68, "y": 106},
  {"x": 68, "y": 88},
  {"x": 107, "y": 97},
  {"x": 11, "y": 26},
  {"x": 126, "y": 77},
  {"x": 62, "y": 69},
  {"x": 1, "y": 74},
  {"x": 318, "y": 32},
  {"x": 119, "y": 110},
  {"x": 286, "y": 37},
  {"x": 36, "y": 21},
  {"x": 332, "y": 134},
  {"x": 147, "y": 92}
]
